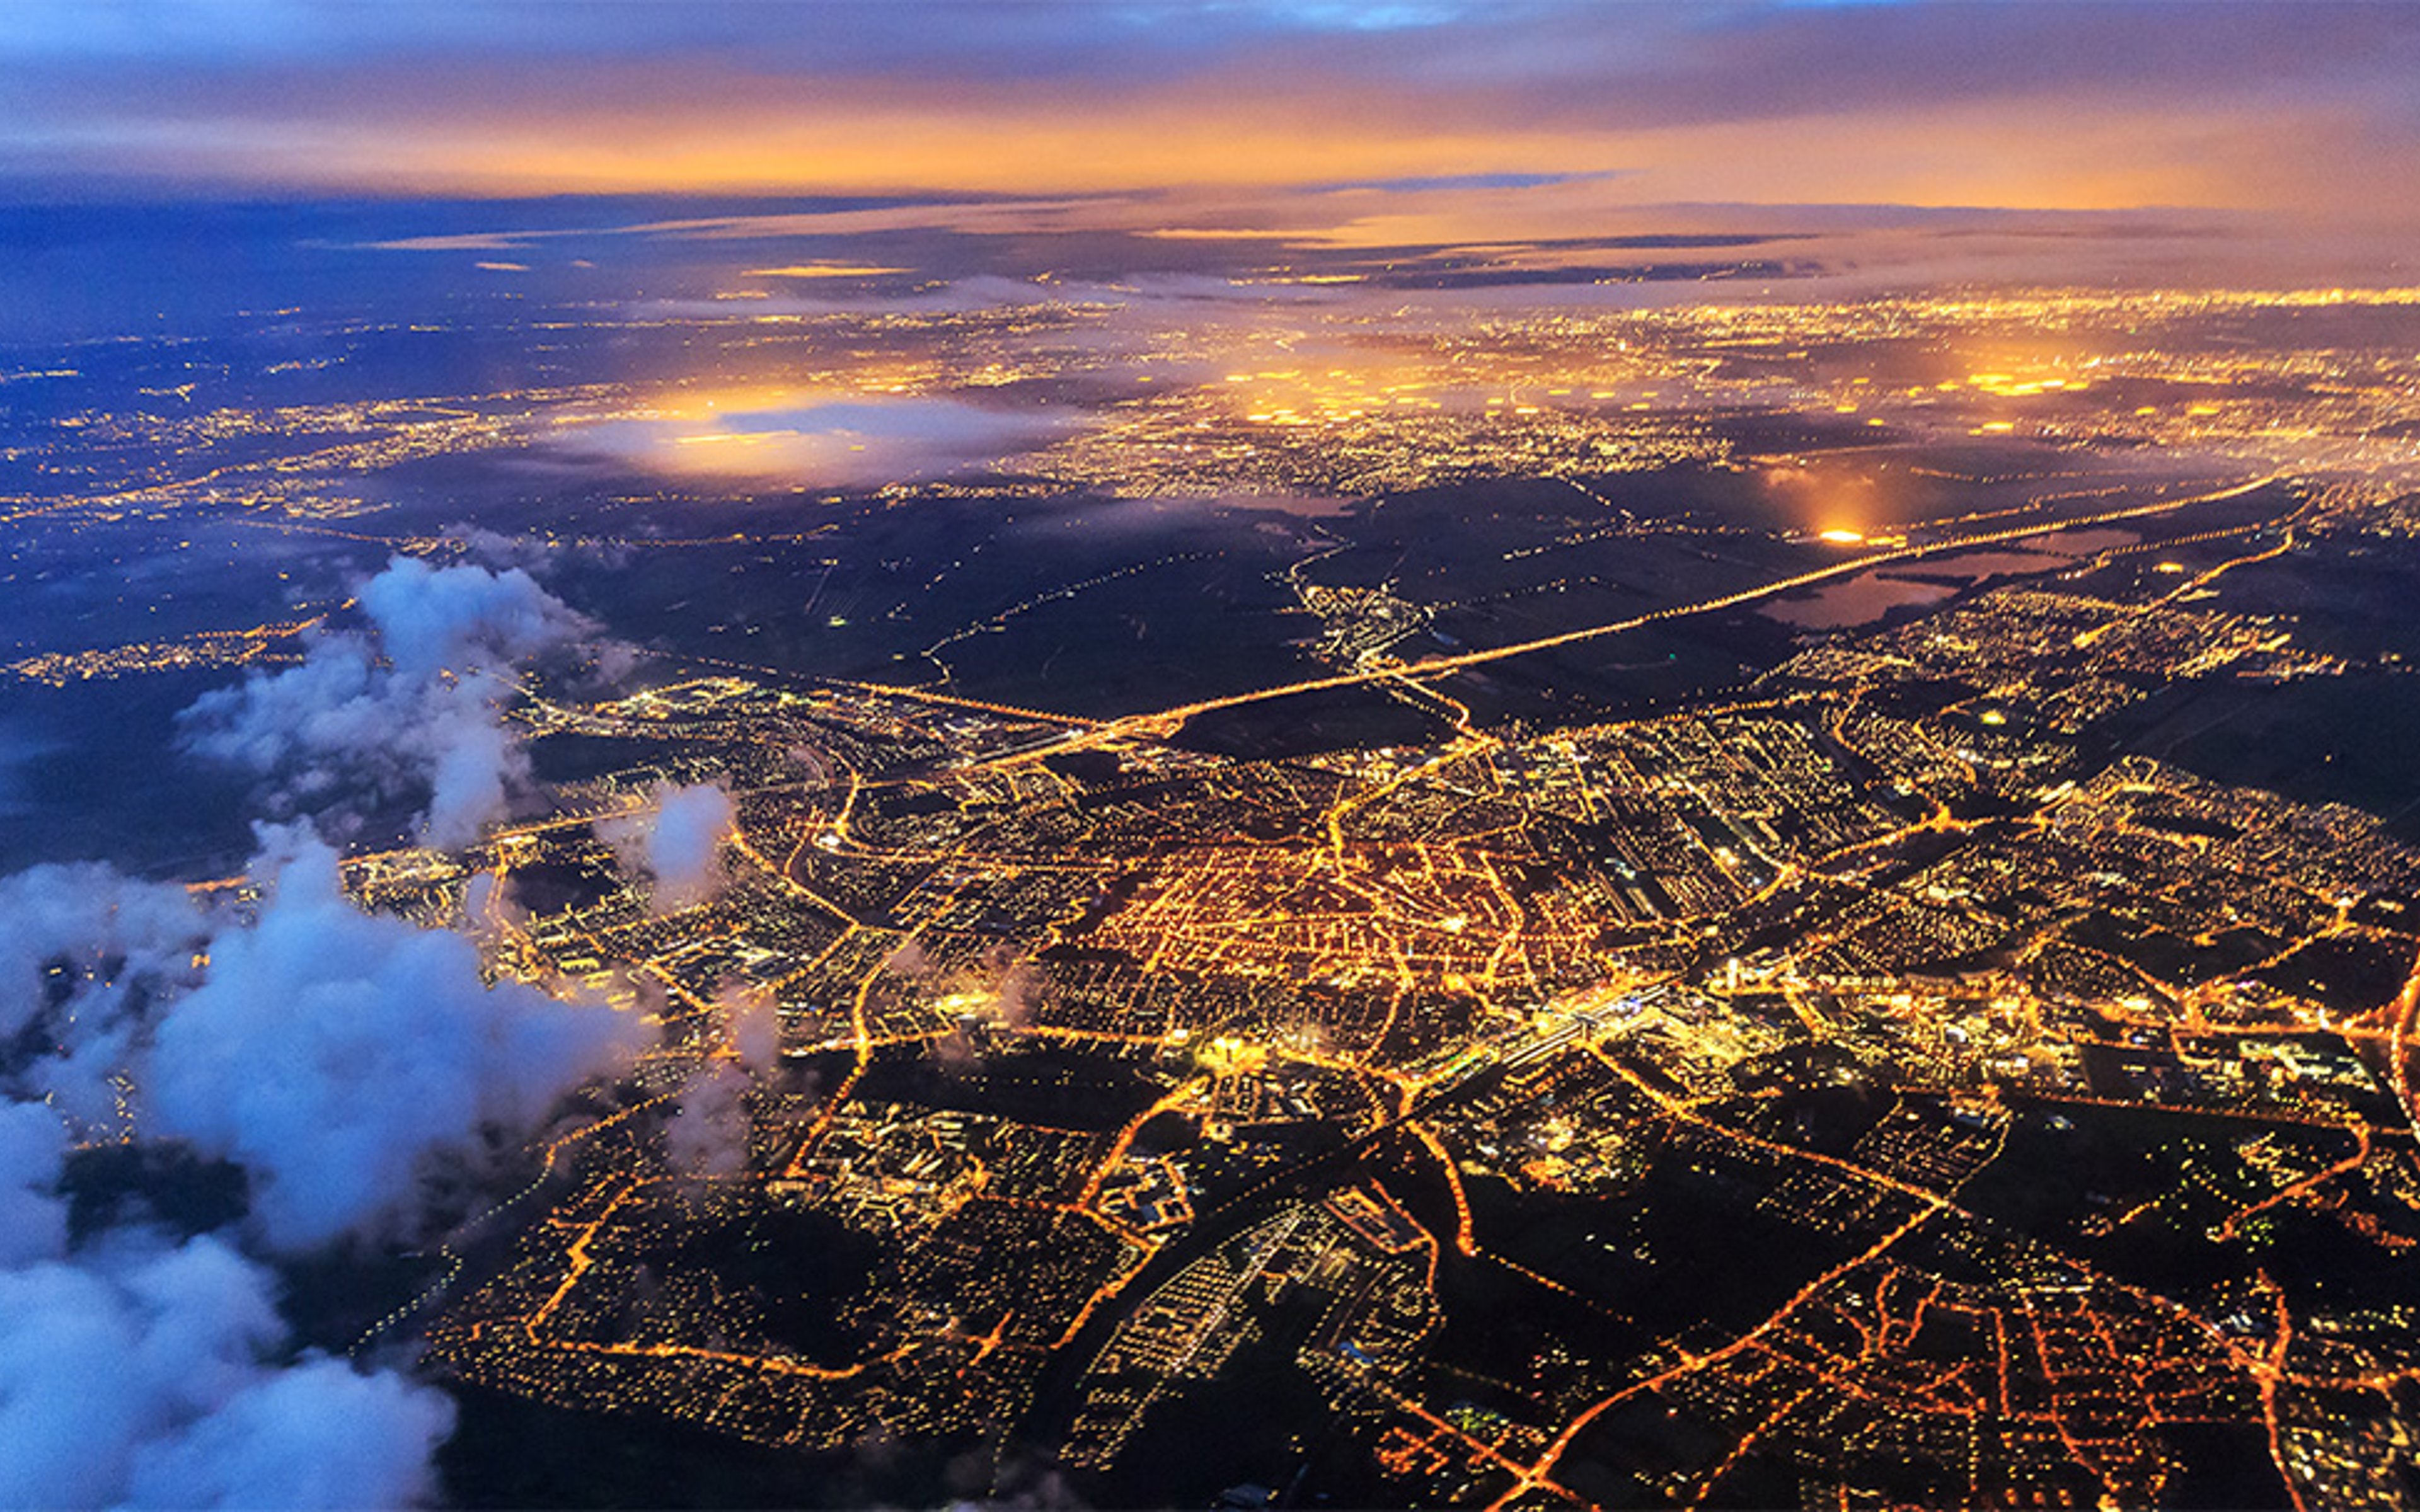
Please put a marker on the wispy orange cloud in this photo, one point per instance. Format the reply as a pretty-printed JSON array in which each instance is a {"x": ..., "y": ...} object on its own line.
[{"x": 823, "y": 270}]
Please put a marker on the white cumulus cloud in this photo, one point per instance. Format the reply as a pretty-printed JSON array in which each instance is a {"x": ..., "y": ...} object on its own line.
[
  {"x": 333, "y": 1052},
  {"x": 33, "y": 1220},
  {"x": 408, "y": 709},
  {"x": 677, "y": 842},
  {"x": 138, "y": 1374}
]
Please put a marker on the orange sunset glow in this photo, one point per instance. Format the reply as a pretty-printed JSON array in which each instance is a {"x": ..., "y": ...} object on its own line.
[{"x": 1239, "y": 114}]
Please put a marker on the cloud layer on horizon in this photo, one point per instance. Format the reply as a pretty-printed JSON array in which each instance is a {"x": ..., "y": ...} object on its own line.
[{"x": 2274, "y": 107}]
